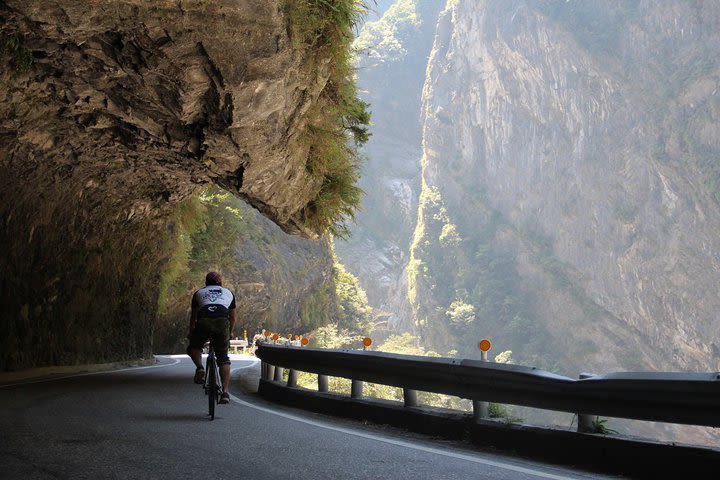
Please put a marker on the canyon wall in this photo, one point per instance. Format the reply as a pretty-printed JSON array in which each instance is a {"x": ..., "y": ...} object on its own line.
[
  {"x": 566, "y": 205},
  {"x": 392, "y": 59},
  {"x": 570, "y": 200}
]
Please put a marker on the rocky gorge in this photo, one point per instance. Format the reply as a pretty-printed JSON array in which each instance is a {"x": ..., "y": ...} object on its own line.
[{"x": 566, "y": 198}]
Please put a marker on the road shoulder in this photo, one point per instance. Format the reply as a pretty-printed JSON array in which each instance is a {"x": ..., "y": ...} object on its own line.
[{"x": 56, "y": 371}]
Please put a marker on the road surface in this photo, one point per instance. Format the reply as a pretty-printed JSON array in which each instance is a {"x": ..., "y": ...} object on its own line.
[{"x": 151, "y": 423}]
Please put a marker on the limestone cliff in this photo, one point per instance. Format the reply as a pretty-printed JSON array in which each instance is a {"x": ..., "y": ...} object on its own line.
[
  {"x": 111, "y": 112},
  {"x": 392, "y": 54},
  {"x": 569, "y": 208},
  {"x": 568, "y": 205}
]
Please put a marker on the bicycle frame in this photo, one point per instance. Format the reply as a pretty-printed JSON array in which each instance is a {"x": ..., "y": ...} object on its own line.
[{"x": 213, "y": 385}]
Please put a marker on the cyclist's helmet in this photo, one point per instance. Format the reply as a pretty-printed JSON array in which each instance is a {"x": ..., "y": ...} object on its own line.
[{"x": 213, "y": 278}]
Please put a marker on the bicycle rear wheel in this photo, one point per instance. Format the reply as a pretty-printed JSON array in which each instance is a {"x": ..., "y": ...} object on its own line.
[{"x": 211, "y": 382}]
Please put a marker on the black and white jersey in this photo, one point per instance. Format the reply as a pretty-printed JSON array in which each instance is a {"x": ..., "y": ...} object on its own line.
[{"x": 213, "y": 301}]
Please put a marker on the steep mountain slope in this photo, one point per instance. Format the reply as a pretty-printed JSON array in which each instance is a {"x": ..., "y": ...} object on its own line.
[
  {"x": 570, "y": 187},
  {"x": 569, "y": 183},
  {"x": 392, "y": 61}
]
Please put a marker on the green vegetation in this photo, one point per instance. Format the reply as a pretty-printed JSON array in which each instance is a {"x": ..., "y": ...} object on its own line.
[
  {"x": 461, "y": 315},
  {"x": 21, "y": 56},
  {"x": 385, "y": 38},
  {"x": 351, "y": 318},
  {"x": 449, "y": 237},
  {"x": 314, "y": 311},
  {"x": 599, "y": 425},
  {"x": 353, "y": 311},
  {"x": 464, "y": 283},
  {"x": 330, "y": 336},
  {"x": 325, "y": 28},
  {"x": 406, "y": 344},
  {"x": 504, "y": 357},
  {"x": 430, "y": 211},
  {"x": 496, "y": 410}
]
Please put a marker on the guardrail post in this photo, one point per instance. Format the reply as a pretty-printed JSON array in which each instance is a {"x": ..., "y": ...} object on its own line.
[
  {"x": 278, "y": 374},
  {"x": 356, "y": 389},
  {"x": 481, "y": 409},
  {"x": 585, "y": 422},
  {"x": 292, "y": 378},
  {"x": 269, "y": 371},
  {"x": 322, "y": 383},
  {"x": 410, "y": 397}
]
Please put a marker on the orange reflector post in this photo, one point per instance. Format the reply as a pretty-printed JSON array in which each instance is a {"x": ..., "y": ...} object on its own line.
[
  {"x": 367, "y": 341},
  {"x": 304, "y": 341},
  {"x": 484, "y": 345}
]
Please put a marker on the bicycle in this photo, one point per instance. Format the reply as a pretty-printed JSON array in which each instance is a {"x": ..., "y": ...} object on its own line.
[{"x": 212, "y": 385}]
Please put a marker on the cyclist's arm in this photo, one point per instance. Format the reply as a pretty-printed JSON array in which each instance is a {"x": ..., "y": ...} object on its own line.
[
  {"x": 193, "y": 320},
  {"x": 232, "y": 321}
]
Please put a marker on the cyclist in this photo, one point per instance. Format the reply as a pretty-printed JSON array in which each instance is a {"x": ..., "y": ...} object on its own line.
[{"x": 212, "y": 317}]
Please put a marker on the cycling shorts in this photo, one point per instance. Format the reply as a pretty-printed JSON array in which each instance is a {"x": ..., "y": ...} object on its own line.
[{"x": 217, "y": 330}]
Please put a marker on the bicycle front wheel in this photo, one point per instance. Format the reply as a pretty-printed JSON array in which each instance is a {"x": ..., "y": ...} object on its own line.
[{"x": 212, "y": 382}]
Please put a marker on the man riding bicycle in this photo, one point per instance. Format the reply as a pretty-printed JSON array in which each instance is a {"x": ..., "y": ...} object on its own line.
[{"x": 212, "y": 317}]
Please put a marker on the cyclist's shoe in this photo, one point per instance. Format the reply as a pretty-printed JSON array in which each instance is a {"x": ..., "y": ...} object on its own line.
[
  {"x": 199, "y": 376},
  {"x": 224, "y": 398}
]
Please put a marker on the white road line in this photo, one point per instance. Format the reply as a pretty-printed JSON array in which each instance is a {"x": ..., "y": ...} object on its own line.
[
  {"x": 56, "y": 379},
  {"x": 252, "y": 364},
  {"x": 401, "y": 443}
]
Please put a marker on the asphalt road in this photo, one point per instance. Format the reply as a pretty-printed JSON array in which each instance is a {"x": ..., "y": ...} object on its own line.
[{"x": 151, "y": 422}]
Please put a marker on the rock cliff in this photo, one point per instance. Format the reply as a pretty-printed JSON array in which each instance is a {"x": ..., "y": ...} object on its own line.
[
  {"x": 578, "y": 142},
  {"x": 568, "y": 202},
  {"x": 568, "y": 153},
  {"x": 111, "y": 112},
  {"x": 392, "y": 54}
]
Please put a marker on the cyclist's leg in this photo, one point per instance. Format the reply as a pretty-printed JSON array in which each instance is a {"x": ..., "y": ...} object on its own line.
[
  {"x": 221, "y": 343},
  {"x": 197, "y": 339},
  {"x": 225, "y": 376},
  {"x": 195, "y": 355}
]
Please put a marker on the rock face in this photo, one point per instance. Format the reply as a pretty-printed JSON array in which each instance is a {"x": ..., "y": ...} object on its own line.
[
  {"x": 391, "y": 72},
  {"x": 569, "y": 201},
  {"x": 569, "y": 179},
  {"x": 579, "y": 143},
  {"x": 282, "y": 282},
  {"x": 126, "y": 108}
]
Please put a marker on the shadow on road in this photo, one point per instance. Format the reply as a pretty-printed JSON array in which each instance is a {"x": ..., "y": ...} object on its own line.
[{"x": 172, "y": 417}]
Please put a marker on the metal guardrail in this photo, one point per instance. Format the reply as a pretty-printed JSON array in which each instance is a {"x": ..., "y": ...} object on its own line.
[{"x": 688, "y": 398}]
